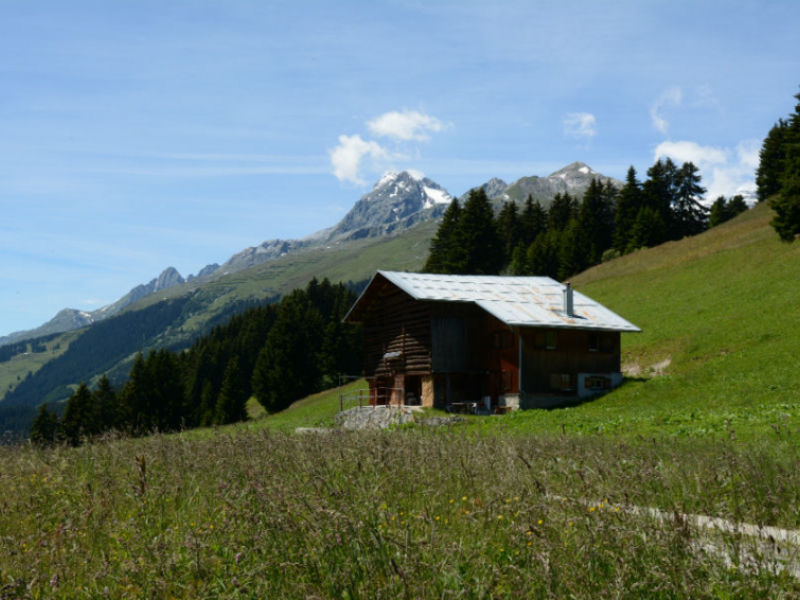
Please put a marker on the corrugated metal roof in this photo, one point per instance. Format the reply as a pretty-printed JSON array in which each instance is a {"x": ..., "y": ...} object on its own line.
[{"x": 522, "y": 301}]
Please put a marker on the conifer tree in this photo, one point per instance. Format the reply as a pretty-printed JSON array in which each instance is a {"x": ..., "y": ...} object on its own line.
[
  {"x": 786, "y": 202},
  {"x": 46, "y": 428},
  {"x": 771, "y": 160},
  {"x": 105, "y": 400},
  {"x": 563, "y": 208},
  {"x": 648, "y": 229},
  {"x": 533, "y": 221},
  {"x": 719, "y": 212},
  {"x": 689, "y": 215},
  {"x": 510, "y": 227},
  {"x": 594, "y": 226},
  {"x": 542, "y": 254},
  {"x": 232, "y": 399},
  {"x": 480, "y": 240},
  {"x": 286, "y": 368},
  {"x": 80, "y": 417},
  {"x": 629, "y": 202},
  {"x": 446, "y": 253},
  {"x": 573, "y": 250}
]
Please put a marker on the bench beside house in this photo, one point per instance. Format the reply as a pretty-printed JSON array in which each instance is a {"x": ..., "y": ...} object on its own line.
[{"x": 493, "y": 341}]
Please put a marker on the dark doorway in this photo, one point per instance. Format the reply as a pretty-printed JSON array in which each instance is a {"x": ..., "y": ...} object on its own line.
[{"x": 413, "y": 385}]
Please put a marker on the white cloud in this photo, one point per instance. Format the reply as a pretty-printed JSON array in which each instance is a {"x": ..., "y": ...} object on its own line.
[
  {"x": 670, "y": 97},
  {"x": 355, "y": 154},
  {"x": 405, "y": 126},
  {"x": 346, "y": 158},
  {"x": 580, "y": 125},
  {"x": 690, "y": 152},
  {"x": 725, "y": 171},
  {"x": 749, "y": 153}
]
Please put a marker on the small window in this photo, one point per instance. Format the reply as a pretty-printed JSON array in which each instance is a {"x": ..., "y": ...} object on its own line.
[
  {"x": 550, "y": 340},
  {"x": 545, "y": 340},
  {"x": 502, "y": 340},
  {"x": 594, "y": 342}
]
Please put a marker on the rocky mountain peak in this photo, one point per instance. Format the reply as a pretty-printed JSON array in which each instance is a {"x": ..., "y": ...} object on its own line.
[
  {"x": 167, "y": 279},
  {"x": 397, "y": 200}
]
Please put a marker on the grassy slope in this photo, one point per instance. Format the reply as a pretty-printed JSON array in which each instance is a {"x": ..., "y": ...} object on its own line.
[
  {"x": 722, "y": 307},
  {"x": 16, "y": 369}
]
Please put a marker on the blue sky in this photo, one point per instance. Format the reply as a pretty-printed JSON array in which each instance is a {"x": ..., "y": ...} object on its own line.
[{"x": 137, "y": 135}]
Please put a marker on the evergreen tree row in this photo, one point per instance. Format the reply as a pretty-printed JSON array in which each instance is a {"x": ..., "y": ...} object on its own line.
[
  {"x": 778, "y": 174},
  {"x": 572, "y": 235},
  {"x": 279, "y": 352}
]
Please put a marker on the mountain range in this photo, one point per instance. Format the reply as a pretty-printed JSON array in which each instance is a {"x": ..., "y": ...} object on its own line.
[{"x": 396, "y": 203}]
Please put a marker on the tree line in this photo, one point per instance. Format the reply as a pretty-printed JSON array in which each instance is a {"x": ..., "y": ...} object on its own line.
[
  {"x": 573, "y": 234},
  {"x": 778, "y": 174},
  {"x": 278, "y": 352}
]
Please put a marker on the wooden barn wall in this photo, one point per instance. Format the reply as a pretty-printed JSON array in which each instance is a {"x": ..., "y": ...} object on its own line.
[
  {"x": 570, "y": 356},
  {"x": 458, "y": 335},
  {"x": 396, "y": 323}
]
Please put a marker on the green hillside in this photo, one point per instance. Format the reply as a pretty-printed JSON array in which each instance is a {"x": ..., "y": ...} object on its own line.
[{"x": 720, "y": 328}]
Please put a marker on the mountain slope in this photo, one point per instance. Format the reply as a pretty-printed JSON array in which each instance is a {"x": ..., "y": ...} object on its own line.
[
  {"x": 397, "y": 202},
  {"x": 69, "y": 319},
  {"x": 176, "y": 316},
  {"x": 573, "y": 179}
]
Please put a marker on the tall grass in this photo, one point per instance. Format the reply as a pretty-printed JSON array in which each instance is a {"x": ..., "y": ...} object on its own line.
[{"x": 407, "y": 513}]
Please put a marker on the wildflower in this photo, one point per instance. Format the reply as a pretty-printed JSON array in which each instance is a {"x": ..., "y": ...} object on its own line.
[
  {"x": 539, "y": 522},
  {"x": 463, "y": 498},
  {"x": 451, "y": 500},
  {"x": 499, "y": 517},
  {"x": 438, "y": 517},
  {"x": 591, "y": 509}
]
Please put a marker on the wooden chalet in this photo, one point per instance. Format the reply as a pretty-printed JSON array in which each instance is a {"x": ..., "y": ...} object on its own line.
[{"x": 454, "y": 341}]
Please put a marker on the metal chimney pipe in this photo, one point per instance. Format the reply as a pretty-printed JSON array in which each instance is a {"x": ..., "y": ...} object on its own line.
[{"x": 568, "y": 299}]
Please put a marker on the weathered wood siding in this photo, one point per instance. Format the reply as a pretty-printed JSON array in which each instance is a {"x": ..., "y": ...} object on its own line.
[
  {"x": 395, "y": 324},
  {"x": 542, "y": 366}
]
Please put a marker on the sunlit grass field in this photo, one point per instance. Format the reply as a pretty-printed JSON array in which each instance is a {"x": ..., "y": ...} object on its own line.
[{"x": 408, "y": 513}]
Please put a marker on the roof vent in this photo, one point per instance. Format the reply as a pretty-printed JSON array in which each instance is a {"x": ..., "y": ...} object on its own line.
[{"x": 568, "y": 300}]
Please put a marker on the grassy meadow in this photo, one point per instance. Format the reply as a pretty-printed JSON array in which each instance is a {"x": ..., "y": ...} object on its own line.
[
  {"x": 409, "y": 513},
  {"x": 535, "y": 504}
]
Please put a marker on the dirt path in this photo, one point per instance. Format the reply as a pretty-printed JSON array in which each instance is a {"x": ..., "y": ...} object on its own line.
[{"x": 740, "y": 545}]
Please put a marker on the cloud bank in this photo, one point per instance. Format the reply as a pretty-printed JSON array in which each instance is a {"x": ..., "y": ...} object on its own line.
[
  {"x": 725, "y": 171},
  {"x": 354, "y": 154},
  {"x": 346, "y": 158},
  {"x": 405, "y": 126}
]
